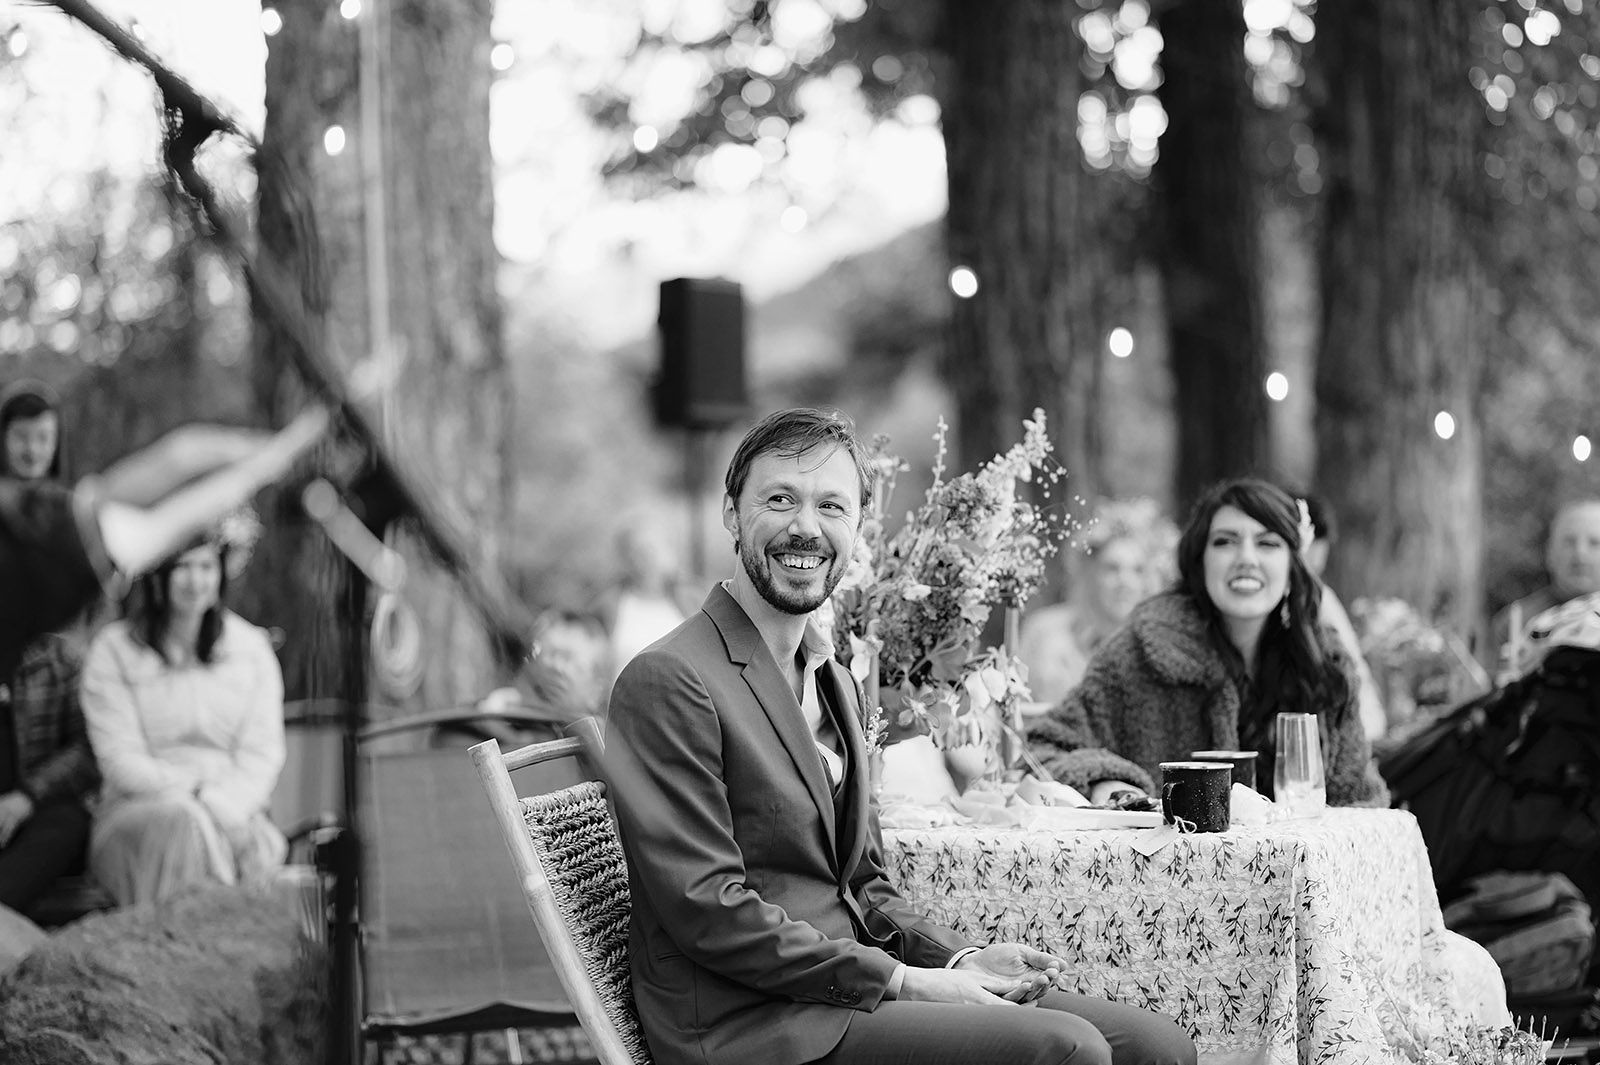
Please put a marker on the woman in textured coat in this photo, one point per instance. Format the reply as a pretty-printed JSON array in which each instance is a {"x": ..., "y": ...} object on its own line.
[{"x": 1210, "y": 664}]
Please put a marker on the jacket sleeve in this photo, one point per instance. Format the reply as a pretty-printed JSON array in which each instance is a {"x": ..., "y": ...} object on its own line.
[
  {"x": 1069, "y": 745},
  {"x": 258, "y": 752},
  {"x": 911, "y": 936},
  {"x": 890, "y": 917},
  {"x": 112, "y": 716},
  {"x": 70, "y": 771},
  {"x": 677, "y": 829}
]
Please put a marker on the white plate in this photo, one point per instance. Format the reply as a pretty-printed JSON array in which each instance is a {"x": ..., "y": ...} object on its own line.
[{"x": 1080, "y": 817}]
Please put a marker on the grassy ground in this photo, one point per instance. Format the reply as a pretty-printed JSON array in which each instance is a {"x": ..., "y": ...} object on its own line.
[{"x": 218, "y": 975}]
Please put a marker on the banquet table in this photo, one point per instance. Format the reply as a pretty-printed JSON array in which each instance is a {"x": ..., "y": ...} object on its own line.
[{"x": 1316, "y": 941}]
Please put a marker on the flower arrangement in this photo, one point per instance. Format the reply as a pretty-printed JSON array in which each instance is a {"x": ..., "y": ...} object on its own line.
[
  {"x": 1392, "y": 634},
  {"x": 911, "y": 608},
  {"x": 1485, "y": 1046},
  {"x": 1415, "y": 663}
]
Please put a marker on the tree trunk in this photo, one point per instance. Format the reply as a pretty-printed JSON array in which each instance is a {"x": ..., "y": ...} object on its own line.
[
  {"x": 423, "y": 272},
  {"x": 1023, "y": 216},
  {"x": 1404, "y": 325},
  {"x": 452, "y": 408},
  {"x": 297, "y": 583},
  {"x": 1210, "y": 247}
]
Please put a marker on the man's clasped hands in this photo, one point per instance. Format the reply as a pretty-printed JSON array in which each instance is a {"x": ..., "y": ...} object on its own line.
[{"x": 1009, "y": 972}]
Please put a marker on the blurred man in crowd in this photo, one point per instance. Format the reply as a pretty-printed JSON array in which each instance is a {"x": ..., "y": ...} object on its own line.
[
  {"x": 1572, "y": 558},
  {"x": 47, "y": 771},
  {"x": 567, "y": 676}
]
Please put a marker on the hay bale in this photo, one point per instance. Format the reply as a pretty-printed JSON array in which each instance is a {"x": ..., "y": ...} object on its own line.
[
  {"x": 18, "y": 937},
  {"x": 215, "y": 975}
]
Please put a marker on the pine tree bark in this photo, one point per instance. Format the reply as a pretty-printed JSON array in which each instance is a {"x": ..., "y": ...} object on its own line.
[
  {"x": 297, "y": 583},
  {"x": 452, "y": 408},
  {"x": 1404, "y": 328},
  {"x": 1210, "y": 247},
  {"x": 1023, "y": 216},
  {"x": 447, "y": 409}
]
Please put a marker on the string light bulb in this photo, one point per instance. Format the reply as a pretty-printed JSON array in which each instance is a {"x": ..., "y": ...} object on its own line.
[
  {"x": 502, "y": 56},
  {"x": 333, "y": 140},
  {"x": 1581, "y": 448},
  {"x": 645, "y": 139},
  {"x": 1120, "y": 342},
  {"x": 1444, "y": 424},
  {"x": 793, "y": 219},
  {"x": 963, "y": 282},
  {"x": 1277, "y": 386},
  {"x": 271, "y": 21},
  {"x": 350, "y": 9}
]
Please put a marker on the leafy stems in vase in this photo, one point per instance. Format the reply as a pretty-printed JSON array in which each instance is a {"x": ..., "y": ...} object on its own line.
[{"x": 910, "y": 611}]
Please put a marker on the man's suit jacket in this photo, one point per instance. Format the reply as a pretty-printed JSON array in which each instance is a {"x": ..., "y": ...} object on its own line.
[{"x": 761, "y": 913}]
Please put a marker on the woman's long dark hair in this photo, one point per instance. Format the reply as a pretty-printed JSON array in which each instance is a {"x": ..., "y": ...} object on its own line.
[
  {"x": 154, "y": 605},
  {"x": 1294, "y": 673}
]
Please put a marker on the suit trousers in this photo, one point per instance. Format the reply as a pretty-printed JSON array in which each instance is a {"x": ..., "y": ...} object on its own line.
[{"x": 1061, "y": 1029}]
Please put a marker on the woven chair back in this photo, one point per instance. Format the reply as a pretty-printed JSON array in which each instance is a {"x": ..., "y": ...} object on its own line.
[
  {"x": 576, "y": 842},
  {"x": 569, "y": 859}
]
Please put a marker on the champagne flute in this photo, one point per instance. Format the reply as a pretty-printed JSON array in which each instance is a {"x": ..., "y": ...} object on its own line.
[{"x": 1299, "y": 784}]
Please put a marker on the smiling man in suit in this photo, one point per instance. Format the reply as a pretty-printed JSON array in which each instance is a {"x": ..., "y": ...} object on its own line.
[{"x": 764, "y": 929}]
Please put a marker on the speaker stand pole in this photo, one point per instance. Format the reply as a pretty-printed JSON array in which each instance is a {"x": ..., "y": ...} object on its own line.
[{"x": 696, "y": 480}]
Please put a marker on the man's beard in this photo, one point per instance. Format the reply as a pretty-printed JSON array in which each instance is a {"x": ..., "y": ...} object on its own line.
[{"x": 758, "y": 567}]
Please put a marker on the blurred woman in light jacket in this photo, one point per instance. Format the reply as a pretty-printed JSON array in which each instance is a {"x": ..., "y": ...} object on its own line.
[{"x": 184, "y": 705}]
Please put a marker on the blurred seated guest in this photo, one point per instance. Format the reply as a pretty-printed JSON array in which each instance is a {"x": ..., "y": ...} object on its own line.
[
  {"x": 1130, "y": 559},
  {"x": 1572, "y": 559},
  {"x": 1315, "y": 549},
  {"x": 31, "y": 444},
  {"x": 61, "y": 546},
  {"x": 566, "y": 678},
  {"x": 46, "y": 769},
  {"x": 46, "y": 772},
  {"x": 1209, "y": 665},
  {"x": 647, "y": 601},
  {"x": 184, "y": 704},
  {"x": 33, "y": 448}
]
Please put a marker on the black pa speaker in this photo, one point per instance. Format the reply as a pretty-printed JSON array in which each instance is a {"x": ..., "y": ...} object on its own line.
[{"x": 701, "y": 385}]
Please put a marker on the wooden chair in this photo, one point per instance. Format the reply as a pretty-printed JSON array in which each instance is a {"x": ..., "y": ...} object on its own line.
[{"x": 568, "y": 858}]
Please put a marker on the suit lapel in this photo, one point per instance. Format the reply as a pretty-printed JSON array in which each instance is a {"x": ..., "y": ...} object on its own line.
[
  {"x": 777, "y": 701},
  {"x": 841, "y": 698}
]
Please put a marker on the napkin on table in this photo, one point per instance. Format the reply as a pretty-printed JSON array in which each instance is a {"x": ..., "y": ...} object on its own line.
[{"x": 1248, "y": 807}]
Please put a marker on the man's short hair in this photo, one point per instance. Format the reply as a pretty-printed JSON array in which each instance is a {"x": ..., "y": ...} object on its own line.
[
  {"x": 1322, "y": 519},
  {"x": 794, "y": 432},
  {"x": 1568, "y": 505}
]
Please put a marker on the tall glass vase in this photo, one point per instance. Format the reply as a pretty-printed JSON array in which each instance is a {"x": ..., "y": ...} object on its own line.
[
  {"x": 1011, "y": 740},
  {"x": 873, "y": 711}
]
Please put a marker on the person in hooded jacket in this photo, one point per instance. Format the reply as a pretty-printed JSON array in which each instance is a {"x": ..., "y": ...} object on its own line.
[{"x": 47, "y": 771}]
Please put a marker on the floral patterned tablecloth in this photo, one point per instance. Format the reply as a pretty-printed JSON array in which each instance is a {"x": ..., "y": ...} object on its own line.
[{"x": 1315, "y": 941}]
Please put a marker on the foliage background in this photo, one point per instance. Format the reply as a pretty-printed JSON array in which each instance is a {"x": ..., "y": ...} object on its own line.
[{"x": 105, "y": 292}]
